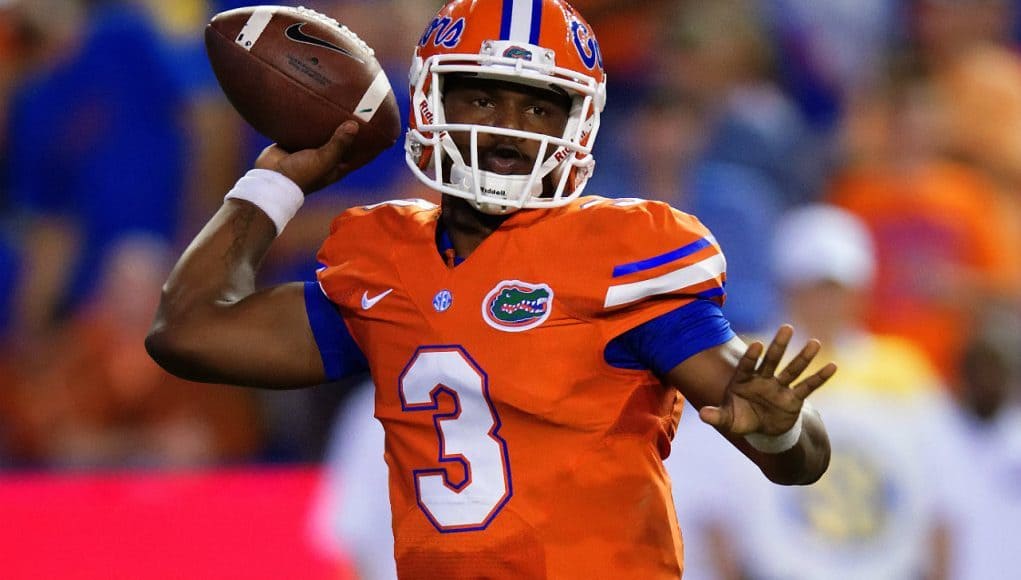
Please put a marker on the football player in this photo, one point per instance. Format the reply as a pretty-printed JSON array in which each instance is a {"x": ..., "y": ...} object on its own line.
[{"x": 531, "y": 348}]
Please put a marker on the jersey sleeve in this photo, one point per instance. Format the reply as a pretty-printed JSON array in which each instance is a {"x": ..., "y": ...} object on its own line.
[
  {"x": 358, "y": 258},
  {"x": 666, "y": 341},
  {"x": 340, "y": 354},
  {"x": 651, "y": 259}
]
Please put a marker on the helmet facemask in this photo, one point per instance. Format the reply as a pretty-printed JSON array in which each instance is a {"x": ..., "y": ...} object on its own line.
[{"x": 564, "y": 162}]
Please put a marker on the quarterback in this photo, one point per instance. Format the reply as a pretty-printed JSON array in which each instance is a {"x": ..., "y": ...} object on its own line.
[{"x": 531, "y": 348}]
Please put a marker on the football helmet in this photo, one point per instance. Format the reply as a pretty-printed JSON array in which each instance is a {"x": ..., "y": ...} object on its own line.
[{"x": 541, "y": 43}]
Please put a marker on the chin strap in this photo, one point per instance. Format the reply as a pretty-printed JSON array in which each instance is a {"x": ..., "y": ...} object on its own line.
[{"x": 509, "y": 187}]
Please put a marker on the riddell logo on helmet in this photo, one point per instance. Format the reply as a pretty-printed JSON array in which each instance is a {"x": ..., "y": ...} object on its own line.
[
  {"x": 427, "y": 115},
  {"x": 496, "y": 192},
  {"x": 564, "y": 153}
]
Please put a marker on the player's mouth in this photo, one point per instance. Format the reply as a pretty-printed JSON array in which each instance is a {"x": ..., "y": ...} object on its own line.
[{"x": 506, "y": 160}]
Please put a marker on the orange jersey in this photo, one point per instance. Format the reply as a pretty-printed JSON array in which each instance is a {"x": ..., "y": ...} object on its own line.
[{"x": 514, "y": 449}]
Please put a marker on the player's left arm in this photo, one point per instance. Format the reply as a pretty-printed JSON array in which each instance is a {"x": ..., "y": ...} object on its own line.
[{"x": 741, "y": 396}]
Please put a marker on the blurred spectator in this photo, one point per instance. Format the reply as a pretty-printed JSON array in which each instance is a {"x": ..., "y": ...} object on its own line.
[
  {"x": 719, "y": 52},
  {"x": 214, "y": 130},
  {"x": 18, "y": 43},
  {"x": 875, "y": 514},
  {"x": 981, "y": 90},
  {"x": 100, "y": 400},
  {"x": 944, "y": 30},
  {"x": 22, "y": 46},
  {"x": 945, "y": 245},
  {"x": 98, "y": 153},
  {"x": 828, "y": 51},
  {"x": 967, "y": 49},
  {"x": 984, "y": 483}
]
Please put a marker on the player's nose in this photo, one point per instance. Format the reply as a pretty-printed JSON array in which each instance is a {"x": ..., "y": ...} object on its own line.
[{"x": 509, "y": 116}]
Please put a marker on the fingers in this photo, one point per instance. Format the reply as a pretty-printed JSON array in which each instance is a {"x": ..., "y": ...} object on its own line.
[
  {"x": 338, "y": 144},
  {"x": 270, "y": 157},
  {"x": 777, "y": 348},
  {"x": 799, "y": 364},
  {"x": 720, "y": 417},
  {"x": 806, "y": 387},
  {"x": 746, "y": 366}
]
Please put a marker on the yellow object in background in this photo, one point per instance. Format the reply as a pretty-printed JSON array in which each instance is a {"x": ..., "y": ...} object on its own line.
[{"x": 179, "y": 18}]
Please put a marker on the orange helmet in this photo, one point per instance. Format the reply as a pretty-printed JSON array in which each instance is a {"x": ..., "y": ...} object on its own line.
[{"x": 543, "y": 43}]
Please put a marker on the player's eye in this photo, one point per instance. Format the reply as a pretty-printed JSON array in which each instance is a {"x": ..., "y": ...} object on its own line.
[{"x": 483, "y": 102}]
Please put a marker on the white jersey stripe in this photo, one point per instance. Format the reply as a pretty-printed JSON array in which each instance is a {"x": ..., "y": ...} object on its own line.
[{"x": 709, "y": 268}]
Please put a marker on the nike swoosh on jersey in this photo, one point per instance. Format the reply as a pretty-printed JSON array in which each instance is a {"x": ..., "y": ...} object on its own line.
[
  {"x": 295, "y": 33},
  {"x": 368, "y": 303}
]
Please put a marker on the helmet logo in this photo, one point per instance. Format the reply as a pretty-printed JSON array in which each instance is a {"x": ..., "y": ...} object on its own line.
[
  {"x": 514, "y": 306},
  {"x": 496, "y": 192},
  {"x": 586, "y": 44},
  {"x": 427, "y": 114},
  {"x": 518, "y": 52},
  {"x": 443, "y": 32}
]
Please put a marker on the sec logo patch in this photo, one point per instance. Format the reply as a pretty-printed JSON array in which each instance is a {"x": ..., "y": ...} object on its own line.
[
  {"x": 515, "y": 306},
  {"x": 443, "y": 300}
]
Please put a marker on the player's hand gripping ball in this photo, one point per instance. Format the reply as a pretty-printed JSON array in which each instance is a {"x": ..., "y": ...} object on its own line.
[{"x": 295, "y": 75}]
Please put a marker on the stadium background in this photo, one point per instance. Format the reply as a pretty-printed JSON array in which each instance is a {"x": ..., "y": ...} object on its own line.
[{"x": 117, "y": 145}]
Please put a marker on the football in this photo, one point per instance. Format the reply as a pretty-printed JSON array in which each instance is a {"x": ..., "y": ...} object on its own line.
[{"x": 294, "y": 75}]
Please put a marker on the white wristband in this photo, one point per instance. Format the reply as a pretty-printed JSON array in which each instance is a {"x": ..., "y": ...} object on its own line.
[
  {"x": 784, "y": 441},
  {"x": 272, "y": 192}
]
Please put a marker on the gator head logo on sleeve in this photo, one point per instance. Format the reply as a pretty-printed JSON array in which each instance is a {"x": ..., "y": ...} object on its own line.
[{"x": 513, "y": 305}]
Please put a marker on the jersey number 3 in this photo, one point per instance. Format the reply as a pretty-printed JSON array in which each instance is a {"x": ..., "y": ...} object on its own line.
[{"x": 468, "y": 436}]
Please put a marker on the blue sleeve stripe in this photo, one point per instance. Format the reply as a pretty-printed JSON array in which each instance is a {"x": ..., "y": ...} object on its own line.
[
  {"x": 664, "y": 342},
  {"x": 666, "y": 258},
  {"x": 339, "y": 352},
  {"x": 707, "y": 328}
]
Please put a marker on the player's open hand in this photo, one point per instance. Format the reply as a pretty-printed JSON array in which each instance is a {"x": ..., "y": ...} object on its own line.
[
  {"x": 759, "y": 401},
  {"x": 312, "y": 169}
]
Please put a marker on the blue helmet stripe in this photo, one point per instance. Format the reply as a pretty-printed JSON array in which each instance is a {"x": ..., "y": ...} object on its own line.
[
  {"x": 508, "y": 17},
  {"x": 533, "y": 38}
]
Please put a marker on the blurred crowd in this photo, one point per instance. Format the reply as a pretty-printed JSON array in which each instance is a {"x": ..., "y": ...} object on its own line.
[{"x": 859, "y": 161}]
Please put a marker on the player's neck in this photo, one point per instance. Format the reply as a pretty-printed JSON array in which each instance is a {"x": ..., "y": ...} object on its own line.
[{"x": 466, "y": 226}]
